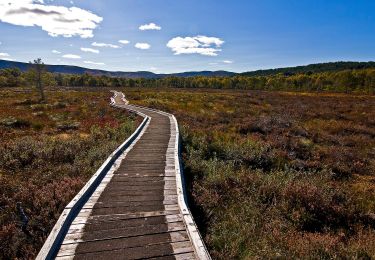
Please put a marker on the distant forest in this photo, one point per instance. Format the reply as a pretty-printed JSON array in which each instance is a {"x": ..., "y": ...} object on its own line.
[
  {"x": 346, "y": 77},
  {"x": 314, "y": 68}
]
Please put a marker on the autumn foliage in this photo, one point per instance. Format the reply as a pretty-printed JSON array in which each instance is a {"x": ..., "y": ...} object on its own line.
[
  {"x": 47, "y": 153},
  {"x": 277, "y": 174}
]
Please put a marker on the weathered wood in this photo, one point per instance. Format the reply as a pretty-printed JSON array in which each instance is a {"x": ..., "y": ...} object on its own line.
[
  {"x": 81, "y": 235},
  {"x": 128, "y": 242},
  {"x": 142, "y": 252},
  {"x": 138, "y": 210}
]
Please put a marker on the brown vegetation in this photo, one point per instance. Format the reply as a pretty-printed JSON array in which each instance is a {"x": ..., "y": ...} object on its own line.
[
  {"x": 270, "y": 174},
  {"x": 277, "y": 174},
  {"x": 47, "y": 153}
]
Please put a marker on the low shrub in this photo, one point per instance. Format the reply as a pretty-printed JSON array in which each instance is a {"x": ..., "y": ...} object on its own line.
[
  {"x": 14, "y": 122},
  {"x": 65, "y": 126},
  {"x": 42, "y": 169}
]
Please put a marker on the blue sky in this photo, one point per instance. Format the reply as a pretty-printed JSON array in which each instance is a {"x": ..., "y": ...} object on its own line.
[{"x": 177, "y": 35}]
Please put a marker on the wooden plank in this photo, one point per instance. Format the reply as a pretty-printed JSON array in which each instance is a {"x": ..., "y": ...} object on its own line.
[
  {"x": 122, "y": 232},
  {"x": 137, "y": 252},
  {"x": 118, "y": 217},
  {"x": 125, "y": 223},
  {"x": 122, "y": 243},
  {"x": 125, "y": 203},
  {"x": 185, "y": 256}
]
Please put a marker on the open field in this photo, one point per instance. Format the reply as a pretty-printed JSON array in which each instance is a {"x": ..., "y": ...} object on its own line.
[
  {"x": 47, "y": 153},
  {"x": 277, "y": 174},
  {"x": 270, "y": 174}
]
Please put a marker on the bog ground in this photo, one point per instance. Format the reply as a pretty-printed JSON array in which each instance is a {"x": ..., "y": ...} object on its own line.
[
  {"x": 270, "y": 174},
  {"x": 277, "y": 174}
]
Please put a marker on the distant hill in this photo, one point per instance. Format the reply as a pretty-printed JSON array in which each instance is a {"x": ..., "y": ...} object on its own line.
[
  {"x": 312, "y": 68},
  {"x": 219, "y": 73},
  {"x": 67, "y": 69}
]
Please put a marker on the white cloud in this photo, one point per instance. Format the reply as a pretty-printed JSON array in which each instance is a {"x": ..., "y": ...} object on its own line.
[
  {"x": 55, "y": 52},
  {"x": 228, "y": 61},
  {"x": 71, "y": 56},
  {"x": 150, "y": 26},
  {"x": 203, "y": 45},
  {"x": 5, "y": 56},
  {"x": 142, "y": 46},
  {"x": 94, "y": 63},
  {"x": 108, "y": 45},
  {"x": 56, "y": 20},
  {"x": 124, "y": 41},
  {"x": 89, "y": 50}
]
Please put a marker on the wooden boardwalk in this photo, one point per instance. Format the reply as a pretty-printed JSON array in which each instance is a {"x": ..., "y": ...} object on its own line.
[{"x": 136, "y": 211}]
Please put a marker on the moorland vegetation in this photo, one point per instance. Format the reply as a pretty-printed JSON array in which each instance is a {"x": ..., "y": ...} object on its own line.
[
  {"x": 48, "y": 151},
  {"x": 277, "y": 174}
]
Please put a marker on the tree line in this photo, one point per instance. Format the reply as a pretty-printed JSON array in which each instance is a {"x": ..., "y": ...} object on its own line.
[
  {"x": 349, "y": 81},
  {"x": 314, "y": 68}
]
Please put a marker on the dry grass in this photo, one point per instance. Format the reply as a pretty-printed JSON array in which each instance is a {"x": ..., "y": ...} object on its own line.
[
  {"x": 275, "y": 174},
  {"x": 47, "y": 153}
]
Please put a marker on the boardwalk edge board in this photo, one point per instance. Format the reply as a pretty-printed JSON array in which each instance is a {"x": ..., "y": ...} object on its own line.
[{"x": 57, "y": 234}]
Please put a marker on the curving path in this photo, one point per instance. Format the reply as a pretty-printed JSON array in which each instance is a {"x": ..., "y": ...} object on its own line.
[{"x": 137, "y": 209}]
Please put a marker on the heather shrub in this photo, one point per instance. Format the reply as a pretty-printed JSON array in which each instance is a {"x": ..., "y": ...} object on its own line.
[
  {"x": 42, "y": 168},
  {"x": 65, "y": 126},
  {"x": 14, "y": 122},
  {"x": 285, "y": 176}
]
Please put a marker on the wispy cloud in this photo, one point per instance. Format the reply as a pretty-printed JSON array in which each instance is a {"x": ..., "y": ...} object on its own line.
[
  {"x": 150, "y": 26},
  {"x": 142, "y": 45},
  {"x": 5, "y": 56},
  {"x": 56, "y": 52},
  {"x": 221, "y": 62},
  {"x": 108, "y": 45},
  {"x": 124, "y": 41},
  {"x": 55, "y": 20},
  {"x": 71, "y": 56},
  {"x": 94, "y": 63},
  {"x": 203, "y": 45},
  {"x": 89, "y": 50}
]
